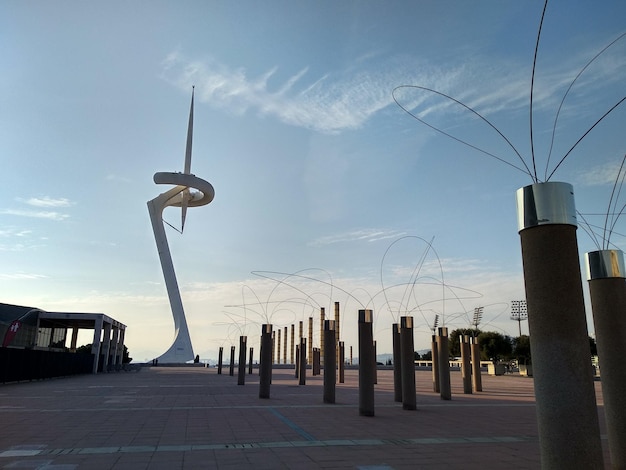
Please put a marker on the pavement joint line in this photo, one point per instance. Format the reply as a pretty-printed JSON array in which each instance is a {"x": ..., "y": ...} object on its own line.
[
  {"x": 291, "y": 424},
  {"x": 16, "y": 452}
]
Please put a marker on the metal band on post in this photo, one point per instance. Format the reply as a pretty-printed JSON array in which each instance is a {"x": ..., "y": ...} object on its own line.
[{"x": 569, "y": 432}]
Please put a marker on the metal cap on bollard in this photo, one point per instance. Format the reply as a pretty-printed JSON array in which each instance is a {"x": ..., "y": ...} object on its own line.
[
  {"x": 605, "y": 264},
  {"x": 545, "y": 204}
]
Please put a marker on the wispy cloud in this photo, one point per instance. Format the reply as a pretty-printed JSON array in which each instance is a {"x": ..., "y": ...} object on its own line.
[
  {"x": 367, "y": 235},
  {"x": 599, "y": 175},
  {"x": 117, "y": 178},
  {"x": 21, "y": 276},
  {"x": 50, "y": 215},
  {"x": 46, "y": 201}
]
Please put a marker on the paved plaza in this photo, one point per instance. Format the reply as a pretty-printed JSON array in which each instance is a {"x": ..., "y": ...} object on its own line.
[{"x": 192, "y": 418}]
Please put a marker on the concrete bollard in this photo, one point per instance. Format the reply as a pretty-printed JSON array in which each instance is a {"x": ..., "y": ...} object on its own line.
[
  {"x": 607, "y": 286},
  {"x": 330, "y": 362},
  {"x": 397, "y": 362},
  {"x": 407, "y": 353},
  {"x": 342, "y": 362},
  {"x": 476, "y": 377},
  {"x": 466, "y": 367},
  {"x": 316, "y": 362},
  {"x": 435, "y": 363},
  {"x": 250, "y": 361},
  {"x": 243, "y": 349},
  {"x": 219, "y": 360},
  {"x": 443, "y": 353},
  {"x": 302, "y": 366},
  {"x": 366, "y": 364},
  {"x": 567, "y": 415},
  {"x": 265, "y": 361}
]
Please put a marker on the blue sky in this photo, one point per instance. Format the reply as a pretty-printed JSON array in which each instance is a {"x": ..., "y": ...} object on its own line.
[{"x": 314, "y": 165}]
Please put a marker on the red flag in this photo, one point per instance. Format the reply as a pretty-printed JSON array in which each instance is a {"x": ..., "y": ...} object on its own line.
[{"x": 11, "y": 332}]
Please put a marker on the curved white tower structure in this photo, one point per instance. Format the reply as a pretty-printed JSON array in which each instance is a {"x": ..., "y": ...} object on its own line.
[{"x": 188, "y": 191}]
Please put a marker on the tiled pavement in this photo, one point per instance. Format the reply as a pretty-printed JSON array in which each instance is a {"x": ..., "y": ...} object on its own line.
[{"x": 193, "y": 418}]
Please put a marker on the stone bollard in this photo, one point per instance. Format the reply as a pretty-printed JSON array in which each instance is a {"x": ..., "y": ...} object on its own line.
[
  {"x": 397, "y": 362},
  {"x": 607, "y": 286},
  {"x": 407, "y": 352},
  {"x": 302, "y": 366},
  {"x": 342, "y": 362},
  {"x": 241, "y": 372},
  {"x": 265, "y": 361},
  {"x": 476, "y": 378},
  {"x": 443, "y": 352},
  {"x": 435, "y": 364},
  {"x": 232, "y": 361},
  {"x": 330, "y": 361},
  {"x": 366, "y": 364},
  {"x": 466, "y": 368},
  {"x": 567, "y": 415}
]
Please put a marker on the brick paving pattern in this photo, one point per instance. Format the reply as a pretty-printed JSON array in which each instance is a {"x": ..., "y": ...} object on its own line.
[{"x": 192, "y": 418}]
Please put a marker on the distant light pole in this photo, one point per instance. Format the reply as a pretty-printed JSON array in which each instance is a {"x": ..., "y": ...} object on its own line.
[
  {"x": 435, "y": 323},
  {"x": 478, "y": 316},
  {"x": 519, "y": 312}
]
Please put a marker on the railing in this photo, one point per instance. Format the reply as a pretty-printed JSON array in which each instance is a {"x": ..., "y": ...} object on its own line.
[{"x": 18, "y": 365}]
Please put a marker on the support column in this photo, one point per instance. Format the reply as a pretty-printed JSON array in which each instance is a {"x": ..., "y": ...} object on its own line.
[
  {"x": 397, "y": 362},
  {"x": 219, "y": 360},
  {"x": 435, "y": 361},
  {"x": 96, "y": 344},
  {"x": 74, "y": 339},
  {"x": 241, "y": 371},
  {"x": 120, "y": 352},
  {"x": 303, "y": 362},
  {"x": 113, "y": 348},
  {"x": 607, "y": 286},
  {"x": 366, "y": 363},
  {"x": 232, "y": 361},
  {"x": 407, "y": 358},
  {"x": 265, "y": 361},
  {"x": 443, "y": 351},
  {"x": 476, "y": 377},
  {"x": 293, "y": 342},
  {"x": 330, "y": 362},
  {"x": 567, "y": 414},
  {"x": 342, "y": 360},
  {"x": 322, "y": 319},
  {"x": 466, "y": 372},
  {"x": 106, "y": 347},
  {"x": 310, "y": 353}
]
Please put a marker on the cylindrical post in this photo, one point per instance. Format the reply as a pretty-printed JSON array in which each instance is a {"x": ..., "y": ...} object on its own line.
[
  {"x": 330, "y": 362},
  {"x": 397, "y": 362},
  {"x": 337, "y": 330},
  {"x": 265, "y": 361},
  {"x": 606, "y": 273},
  {"x": 302, "y": 368},
  {"x": 476, "y": 378},
  {"x": 407, "y": 356},
  {"x": 232, "y": 361},
  {"x": 285, "y": 348},
  {"x": 241, "y": 372},
  {"x": 322, "y": 319},
  {"x": 341, "y": 359},
  {"x": 279, "y": 344},
  {"x": 273, "y": 347},
  {"x": 316, "y": 361},
  {"x": 567, "y": 414},
  {"x": 250, "y": 361},
  {"x": 466, "y": 372},
  {"x": 219, "y": 360},
  {"x": 443, "y": 351},
  {"x": 297, "y": 367},
  {"x": 435, "y": 363},
  {"x": 366, "y": 364},
  {"x": 293, "y": 343},
  {"x": 350, "y": 355},
  {"x": 310, "y": 353},
  {"x": 375, "y": 372}
]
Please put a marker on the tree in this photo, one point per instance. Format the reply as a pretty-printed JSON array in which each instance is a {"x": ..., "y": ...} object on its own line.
[
  {"x": 521, "y": 349},
  {"x": 495, "y": 346},
  {"x": 454, "y": 344},
  {"x": 86, "y": 349}
]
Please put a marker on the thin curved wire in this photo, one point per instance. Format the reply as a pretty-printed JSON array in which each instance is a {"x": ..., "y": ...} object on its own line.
[
  {"x": 619, "y": 183},
  {"x": 526, "y": 171},
  {"x": 586, "y": 226},
  {"x": 585, "y": 135},
  {"x": 558, "y": 112},
  {"x": 532, "y": 87}
]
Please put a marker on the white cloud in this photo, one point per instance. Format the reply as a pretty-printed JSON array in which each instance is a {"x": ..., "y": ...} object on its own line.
[
  {"x": 35, "y": 214},
  {"x": 21, "y": 276},
  {"x": 369, "y": 235},
  {"x": 46, "y": 201},
  {"x": 600, "y": 174}
]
